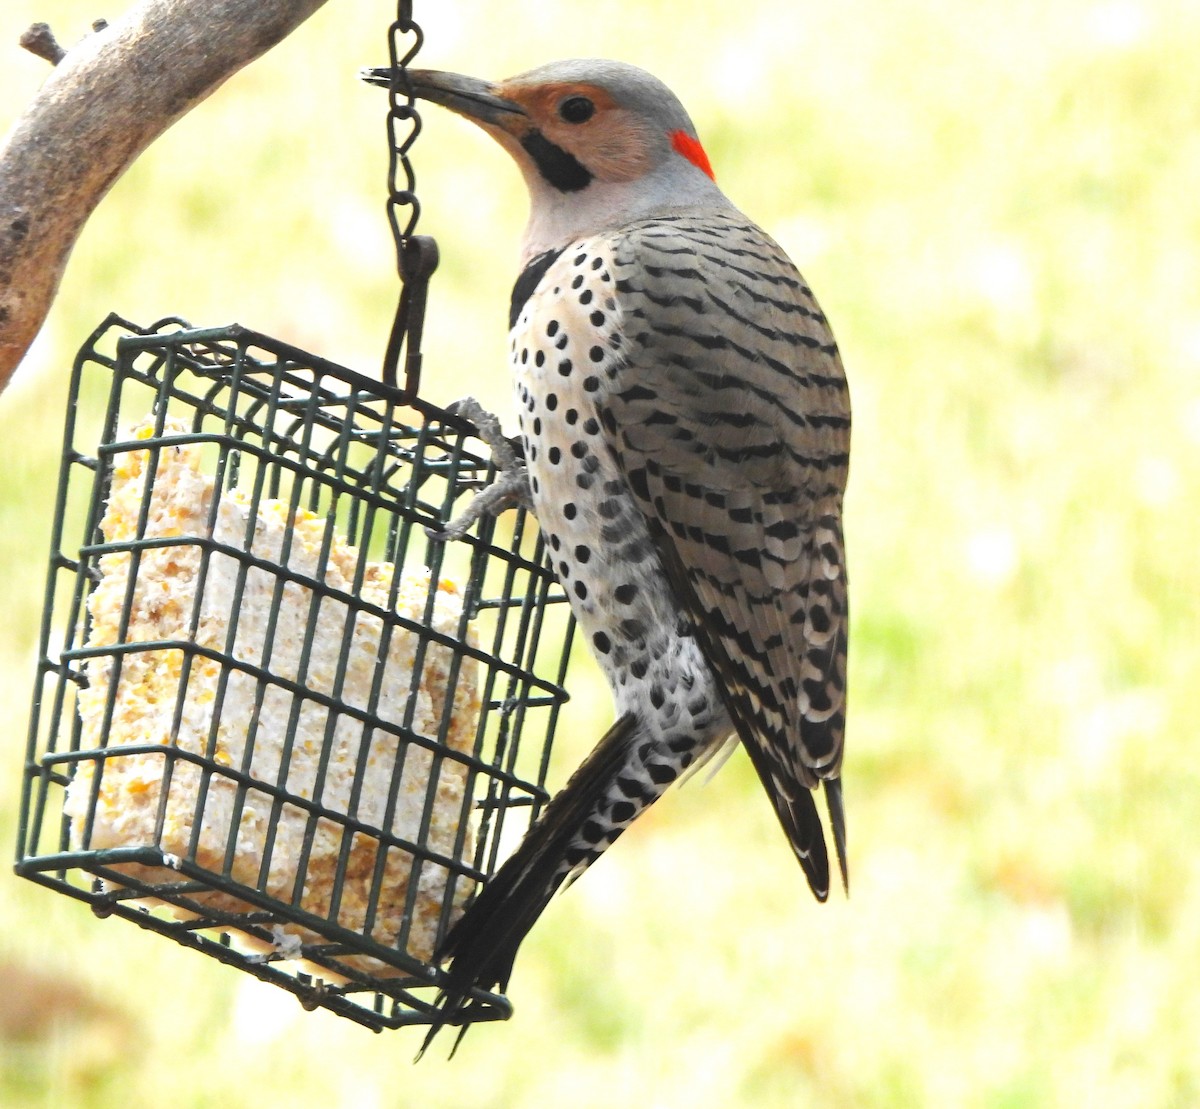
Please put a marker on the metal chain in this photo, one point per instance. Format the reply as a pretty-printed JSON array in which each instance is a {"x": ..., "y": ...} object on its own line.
[{"x": 416, "y": 255}]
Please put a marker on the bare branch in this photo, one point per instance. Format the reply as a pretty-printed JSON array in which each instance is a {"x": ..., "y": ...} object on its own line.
[{"x": 103, "y": 104}]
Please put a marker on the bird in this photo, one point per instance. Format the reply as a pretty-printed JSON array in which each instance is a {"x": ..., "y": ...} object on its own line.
[{"x": 684, "y": 418}]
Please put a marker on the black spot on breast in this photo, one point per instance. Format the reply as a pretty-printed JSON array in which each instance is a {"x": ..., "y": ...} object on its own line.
[{"x": 632, "y": 629}]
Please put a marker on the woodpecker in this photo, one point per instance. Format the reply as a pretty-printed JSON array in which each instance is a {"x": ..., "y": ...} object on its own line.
[{"x": 685, "y": 420}]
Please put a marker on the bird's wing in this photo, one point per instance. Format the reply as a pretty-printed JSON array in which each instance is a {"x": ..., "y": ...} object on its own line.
[{"x": 729, "y": 416}]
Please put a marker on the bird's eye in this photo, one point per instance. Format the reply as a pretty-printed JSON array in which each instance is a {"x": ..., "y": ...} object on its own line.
[{"x": 576, "y": 109}]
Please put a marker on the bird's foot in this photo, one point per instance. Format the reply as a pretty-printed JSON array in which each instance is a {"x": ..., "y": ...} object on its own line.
[{"x": 509, "y": 489}]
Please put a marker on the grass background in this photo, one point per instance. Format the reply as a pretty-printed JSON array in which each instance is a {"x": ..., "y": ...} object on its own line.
[{"x": 997, "y": 205}]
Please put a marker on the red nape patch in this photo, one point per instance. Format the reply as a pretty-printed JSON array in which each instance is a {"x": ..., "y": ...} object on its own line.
[{"x": 692, "y": 150}]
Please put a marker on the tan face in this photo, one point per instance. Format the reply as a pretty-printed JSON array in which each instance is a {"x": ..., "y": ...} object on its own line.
[{"x": 609, "y": 141}]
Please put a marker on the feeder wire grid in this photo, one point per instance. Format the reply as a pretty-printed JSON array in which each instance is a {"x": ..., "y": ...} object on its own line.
[{"x": 275, "y": 718}]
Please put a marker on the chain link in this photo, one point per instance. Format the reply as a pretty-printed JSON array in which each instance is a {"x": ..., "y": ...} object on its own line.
[
  {"x": 403, "y": 122},
  {"x": 416, "y": 255}
]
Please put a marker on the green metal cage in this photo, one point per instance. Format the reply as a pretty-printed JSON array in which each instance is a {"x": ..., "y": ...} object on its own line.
[{"x": 275, "y": 717}]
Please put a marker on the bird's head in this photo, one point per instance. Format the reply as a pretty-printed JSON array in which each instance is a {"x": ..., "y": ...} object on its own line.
[{"x": 597, "y": 141}]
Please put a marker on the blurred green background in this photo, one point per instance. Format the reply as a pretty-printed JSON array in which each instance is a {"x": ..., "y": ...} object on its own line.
[{"x": 997, "y": 204}]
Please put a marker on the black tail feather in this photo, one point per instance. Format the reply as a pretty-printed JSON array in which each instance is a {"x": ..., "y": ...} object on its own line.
[
  {"x": 802, "y": 825},
  {"x": 795, "y": 807},
  {"x": 837, "y": 821},
  {"x": 482, "y": 945}
]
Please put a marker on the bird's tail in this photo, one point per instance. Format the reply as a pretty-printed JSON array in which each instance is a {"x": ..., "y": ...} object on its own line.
[
  {"x": 575, "y": 828},
  {"x": 837, "y": 821}
]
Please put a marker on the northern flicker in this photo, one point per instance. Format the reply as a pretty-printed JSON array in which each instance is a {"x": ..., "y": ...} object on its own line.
[{"x": 686, "y": 427}]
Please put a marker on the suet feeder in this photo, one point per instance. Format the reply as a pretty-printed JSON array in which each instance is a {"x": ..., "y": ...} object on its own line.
[{"x": 277, "y": 717}]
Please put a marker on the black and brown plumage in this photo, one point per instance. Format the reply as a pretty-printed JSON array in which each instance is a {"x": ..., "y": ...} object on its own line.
[{"x": 686, "y": 425}]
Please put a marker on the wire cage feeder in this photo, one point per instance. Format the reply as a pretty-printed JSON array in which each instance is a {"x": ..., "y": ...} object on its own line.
[{"x": 276, "y": 718}]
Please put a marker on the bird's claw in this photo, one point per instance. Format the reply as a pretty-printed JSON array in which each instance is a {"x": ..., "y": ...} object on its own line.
[{"x": 510, "y": 487}]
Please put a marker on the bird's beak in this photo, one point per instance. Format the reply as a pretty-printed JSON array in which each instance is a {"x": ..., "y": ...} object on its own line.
[{"x": 468, "y": 96}]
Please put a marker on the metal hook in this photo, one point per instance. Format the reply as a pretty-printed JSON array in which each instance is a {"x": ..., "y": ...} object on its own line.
[{"x": 416, "y": 255}]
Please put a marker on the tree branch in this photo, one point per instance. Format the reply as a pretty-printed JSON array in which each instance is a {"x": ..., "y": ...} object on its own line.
[{"x": 106, "y": 100}]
